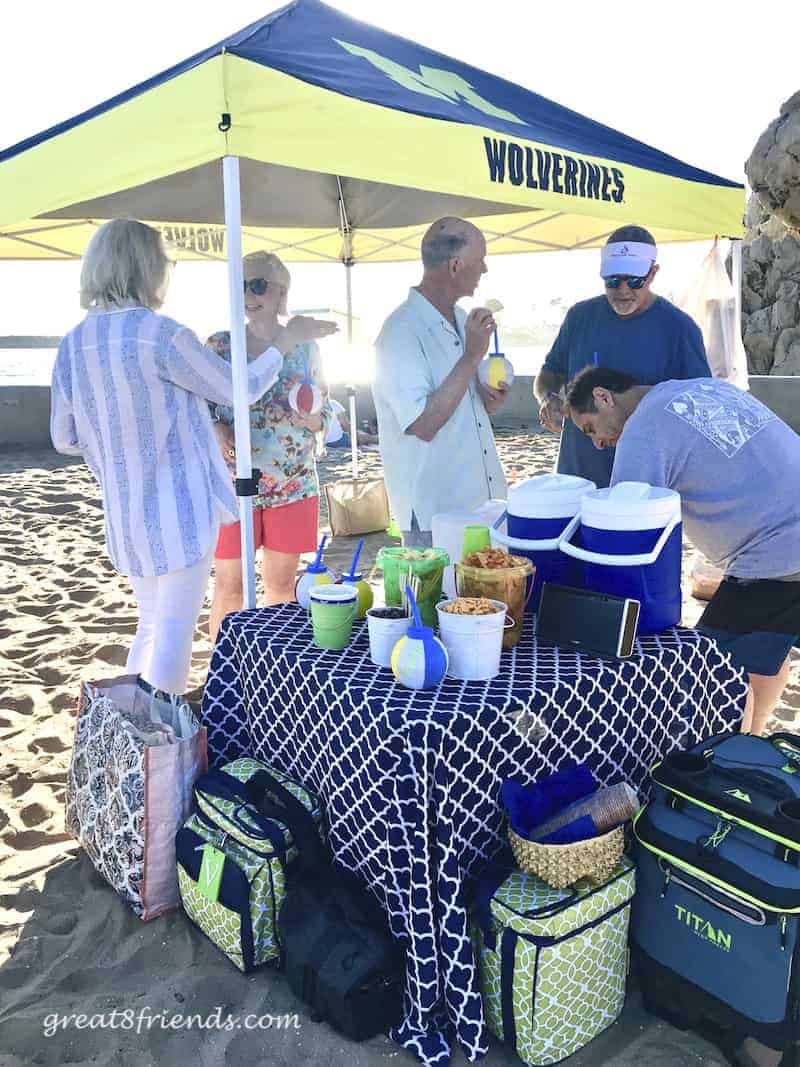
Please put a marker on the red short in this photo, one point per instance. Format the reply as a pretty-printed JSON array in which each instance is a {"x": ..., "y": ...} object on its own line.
[{"x": 288, "y": 528}]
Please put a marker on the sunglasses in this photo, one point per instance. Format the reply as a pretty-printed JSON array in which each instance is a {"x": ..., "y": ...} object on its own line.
[
  {"x": 257, "y": 286},
  {"x": 614, "y": 281}
]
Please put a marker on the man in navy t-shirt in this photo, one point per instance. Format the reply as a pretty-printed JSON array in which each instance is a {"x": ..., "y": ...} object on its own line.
[{"x": 630, "y": 329}]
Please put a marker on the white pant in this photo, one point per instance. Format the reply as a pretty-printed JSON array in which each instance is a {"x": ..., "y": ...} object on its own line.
[{"x": 169, "y": 606}]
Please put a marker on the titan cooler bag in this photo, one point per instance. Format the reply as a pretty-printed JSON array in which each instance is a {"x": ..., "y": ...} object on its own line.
[
  {"x": 552, "y": 962},
  {"x": 233, "y": 853},
  {"x": 715, "y": 922}
]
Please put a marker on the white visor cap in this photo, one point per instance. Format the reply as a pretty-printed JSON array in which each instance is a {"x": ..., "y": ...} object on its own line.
[{"x": 627, "y": 257}]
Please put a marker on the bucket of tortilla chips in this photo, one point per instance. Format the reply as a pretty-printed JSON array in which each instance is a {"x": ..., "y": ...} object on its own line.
[{"x": 498, "y": 575}]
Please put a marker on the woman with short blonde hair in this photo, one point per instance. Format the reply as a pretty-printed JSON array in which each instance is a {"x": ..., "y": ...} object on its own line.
[
  {"x": 130, "y": 393},
  {"x": 283, "y": 442}
]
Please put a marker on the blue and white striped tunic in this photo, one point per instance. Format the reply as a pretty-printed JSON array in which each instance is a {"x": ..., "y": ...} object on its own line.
[{"x": 129, "y": 393}]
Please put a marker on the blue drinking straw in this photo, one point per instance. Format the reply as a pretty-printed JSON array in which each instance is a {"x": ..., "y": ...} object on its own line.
[
  {"x": 354, "y": 564},
  {"x": 318, "y": 558},
  {"x": 596, "y": 360},
  {"x": 497, "y": 351},
  {"x": 414, "y": 608}
]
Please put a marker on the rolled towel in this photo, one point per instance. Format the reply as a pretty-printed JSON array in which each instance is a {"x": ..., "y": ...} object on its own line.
[
  {"x": 530, "y": 806},
  {"x": 579, "y": 830},
  {"x": 608, "y": 807}
]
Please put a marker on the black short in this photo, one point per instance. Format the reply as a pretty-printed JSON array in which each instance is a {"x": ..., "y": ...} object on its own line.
[{"x": 757, "y": 621}]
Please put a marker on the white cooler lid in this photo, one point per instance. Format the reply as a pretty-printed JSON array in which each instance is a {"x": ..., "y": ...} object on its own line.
[
  {"x": 548, "y": 496},
  {"x": 630, "y": 506}
]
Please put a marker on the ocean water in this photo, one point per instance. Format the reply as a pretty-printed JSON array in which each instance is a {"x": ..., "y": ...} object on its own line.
[
  {"x": 34, "y": 366},
  {"x": 26, "y": 366}
]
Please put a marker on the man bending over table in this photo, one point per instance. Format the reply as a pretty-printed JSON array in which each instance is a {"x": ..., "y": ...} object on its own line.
[{"x": 736, "y": 466}]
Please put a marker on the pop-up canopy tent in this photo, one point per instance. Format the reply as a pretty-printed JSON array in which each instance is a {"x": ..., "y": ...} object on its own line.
[{"x": 322, "y": 138}]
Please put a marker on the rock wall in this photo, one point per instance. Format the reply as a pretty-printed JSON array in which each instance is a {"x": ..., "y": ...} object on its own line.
[{"x": 771, "y": 248}]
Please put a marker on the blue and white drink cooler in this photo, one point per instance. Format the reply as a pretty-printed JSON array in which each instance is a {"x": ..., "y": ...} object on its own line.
[
  {"x": 628, "y": 538},
  {"x": 537, "y": 513}
]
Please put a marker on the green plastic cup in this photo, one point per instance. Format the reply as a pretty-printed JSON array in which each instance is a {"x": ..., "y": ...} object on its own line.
[
  {"x": 333, "y": 609},
  {"x": 425, "y": 564},
  {"x": 475, "y": 538}
]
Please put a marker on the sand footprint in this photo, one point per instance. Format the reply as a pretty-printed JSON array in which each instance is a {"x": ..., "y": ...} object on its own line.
[
  {"x": 34, "y": 815},
  {"x": 29, "y": 840},
  {"x": 82, "y": 596},
  {"x": 52, "y": 745}
]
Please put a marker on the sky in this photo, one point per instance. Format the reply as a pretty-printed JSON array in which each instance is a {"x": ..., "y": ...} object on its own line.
[{"x": 690, "y": 78}]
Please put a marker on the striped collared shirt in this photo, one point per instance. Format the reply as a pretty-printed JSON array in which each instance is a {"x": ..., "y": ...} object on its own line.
[{"x": 130, "y": 394}]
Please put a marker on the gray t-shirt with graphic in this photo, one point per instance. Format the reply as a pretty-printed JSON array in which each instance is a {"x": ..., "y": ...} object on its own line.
[{"x": 735, "y": 464}]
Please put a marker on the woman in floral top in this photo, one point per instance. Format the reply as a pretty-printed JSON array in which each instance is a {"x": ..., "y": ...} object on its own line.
[{"x": 283, "y": 443}]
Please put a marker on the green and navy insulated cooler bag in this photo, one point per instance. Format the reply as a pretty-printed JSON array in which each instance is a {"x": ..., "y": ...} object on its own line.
[
  {"x": 552, "y": 962},
  {"x": 232, "y": 856},
  {"x": 715, "y": 921}
]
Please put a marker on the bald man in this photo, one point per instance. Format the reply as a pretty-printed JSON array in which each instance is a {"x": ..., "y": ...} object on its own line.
[{"x": 434, "y": 431}]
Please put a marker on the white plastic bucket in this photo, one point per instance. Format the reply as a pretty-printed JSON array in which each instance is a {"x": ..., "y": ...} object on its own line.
[
  {"x": 447, "y": 529},
  {"x": 473, "y": 642},
  {"x": 384, "y": 635}
]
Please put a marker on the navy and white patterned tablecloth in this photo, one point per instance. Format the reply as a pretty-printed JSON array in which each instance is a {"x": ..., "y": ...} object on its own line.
[{"x": 411, "y": 780}]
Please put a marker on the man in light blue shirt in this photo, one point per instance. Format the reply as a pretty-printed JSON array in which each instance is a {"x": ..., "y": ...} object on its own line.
[
  {"x": 435, "y": 436},
  {"x": 736, "y": 466},
  {"x": 628, "y": 328}
]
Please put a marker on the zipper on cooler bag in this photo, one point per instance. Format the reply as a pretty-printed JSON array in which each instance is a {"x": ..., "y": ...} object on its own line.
[
  {"x": 211, "y": 825},
  {"x": 547, "y": 942},
  {"x": 549, "y": 911},
  {"x": 244, "y": 829},
  {"x": 712, "y": 893}
]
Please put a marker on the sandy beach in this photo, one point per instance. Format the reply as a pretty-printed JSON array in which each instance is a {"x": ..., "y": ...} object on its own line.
[{"x": 68, "y": 944}]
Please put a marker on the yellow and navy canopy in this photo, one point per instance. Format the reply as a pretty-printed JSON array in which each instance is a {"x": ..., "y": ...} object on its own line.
[{"x": 351, "y": 141}]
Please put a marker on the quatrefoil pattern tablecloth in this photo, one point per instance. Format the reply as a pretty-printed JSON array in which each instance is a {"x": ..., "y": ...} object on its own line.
[{"x": 411, "y": 780}]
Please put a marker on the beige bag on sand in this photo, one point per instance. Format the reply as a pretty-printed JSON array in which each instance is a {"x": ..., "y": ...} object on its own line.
[
  {"x": 135, "y": 759},
  {"x": 357, "y": 506}
]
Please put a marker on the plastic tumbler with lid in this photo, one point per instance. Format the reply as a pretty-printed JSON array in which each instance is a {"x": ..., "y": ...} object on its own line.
[{"x": 356, "y": 578}]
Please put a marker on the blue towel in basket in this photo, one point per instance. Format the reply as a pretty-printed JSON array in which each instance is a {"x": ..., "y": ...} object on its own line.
[{"x": 530, "y": 806}]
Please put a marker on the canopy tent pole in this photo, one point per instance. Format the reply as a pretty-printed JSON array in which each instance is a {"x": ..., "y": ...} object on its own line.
[
  {"x": 241, "y": 407},
  {"x": 736, "y": 279},
  {"x": 347, "y": 259},
  {"x": 351, "y": 391}
]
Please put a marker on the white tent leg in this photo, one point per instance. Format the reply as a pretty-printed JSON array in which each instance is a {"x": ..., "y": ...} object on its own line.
[
  {"x": 352, "y": 391},
  {"x": 241, "y": 408},
  {"x": 736, "y": 279}
]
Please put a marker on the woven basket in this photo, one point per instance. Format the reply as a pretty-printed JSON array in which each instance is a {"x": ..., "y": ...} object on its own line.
[{"x": 563, "y": 865}]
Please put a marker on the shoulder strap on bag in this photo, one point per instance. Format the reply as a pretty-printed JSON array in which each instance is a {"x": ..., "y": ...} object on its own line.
[
  {"x": 274, "y": 800},
  {"x": 508, "y": 950},
  {"x": 492, "y": 879}
]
